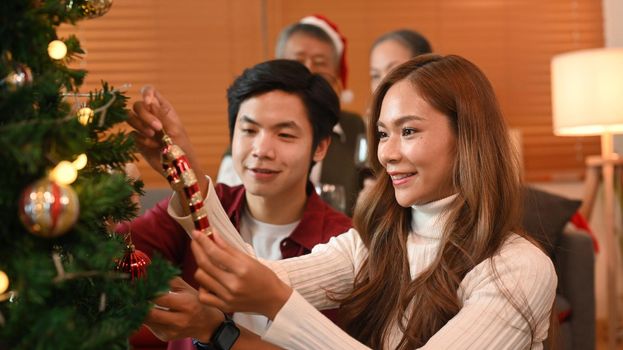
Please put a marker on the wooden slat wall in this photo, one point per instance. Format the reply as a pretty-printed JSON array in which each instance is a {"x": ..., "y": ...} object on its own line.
[
  {"x": 512, "y": 41},
  {"x": 192, "y": 50}
]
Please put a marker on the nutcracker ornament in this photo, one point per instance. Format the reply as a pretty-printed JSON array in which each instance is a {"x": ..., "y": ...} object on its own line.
[{"x": 183, "y": 180}]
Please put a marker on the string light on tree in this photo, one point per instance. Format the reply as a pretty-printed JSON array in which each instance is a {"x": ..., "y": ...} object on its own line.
[
  {"x": 80, "y": 162},
  {"x": 57, "y": 49},
  {"x": 4, "y": 282},
  {"x": 64, "y": 173}
]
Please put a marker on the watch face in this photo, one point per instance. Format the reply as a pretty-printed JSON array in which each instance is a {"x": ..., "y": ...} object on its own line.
[{"x": 227, "y": 335}]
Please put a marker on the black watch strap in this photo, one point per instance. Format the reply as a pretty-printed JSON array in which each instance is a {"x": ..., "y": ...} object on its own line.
[
  {"x": 201, "y": 346},
  {"x": 223, "y": 338}
]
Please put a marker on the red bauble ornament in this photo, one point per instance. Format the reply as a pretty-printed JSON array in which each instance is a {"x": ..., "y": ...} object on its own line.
[{"x": 134, "y": 263}]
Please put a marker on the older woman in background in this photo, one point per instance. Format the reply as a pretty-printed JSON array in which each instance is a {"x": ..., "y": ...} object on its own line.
[{"x": 393, "y": 48}]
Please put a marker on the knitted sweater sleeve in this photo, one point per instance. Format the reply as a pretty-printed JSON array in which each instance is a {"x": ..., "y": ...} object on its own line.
[
  {"x": 329, "y": 270},
  {"x": 520, "y": 275}
]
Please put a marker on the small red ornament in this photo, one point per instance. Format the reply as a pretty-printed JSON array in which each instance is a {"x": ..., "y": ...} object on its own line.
[{"x": 134, "y": 263}]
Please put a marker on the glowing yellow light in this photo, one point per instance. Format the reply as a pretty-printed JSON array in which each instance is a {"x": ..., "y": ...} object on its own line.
[
  {"x": 64, "y": 173},
  {"x": 4, "y": 282},
  {"x": 57, "y": 49},
  {"x": 85, "y": 115},
  {"x": 80, "y": 162}
]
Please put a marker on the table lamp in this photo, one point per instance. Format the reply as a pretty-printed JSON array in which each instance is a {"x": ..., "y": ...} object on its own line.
[{"x": 587, "y": 100}]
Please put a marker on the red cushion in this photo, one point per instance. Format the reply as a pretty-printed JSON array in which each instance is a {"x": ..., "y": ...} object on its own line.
[
  {"x": 144, "y": 339},
  {"x": 562, "y": 309}
]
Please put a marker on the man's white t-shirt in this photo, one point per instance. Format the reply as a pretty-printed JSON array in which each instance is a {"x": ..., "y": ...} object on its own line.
[{"x": 266, "y": 241}]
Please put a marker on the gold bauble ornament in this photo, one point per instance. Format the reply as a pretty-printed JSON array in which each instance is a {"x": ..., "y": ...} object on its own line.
[
  {"x": 85, "y": 115},
  {"x": 48, "y": 209},
  {"x": 92, "y": 8}
]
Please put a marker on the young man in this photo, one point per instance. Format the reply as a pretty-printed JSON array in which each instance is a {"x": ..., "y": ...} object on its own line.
[
  {"x": 317, "y": 43},
  {"x": 280, "y": 120}
]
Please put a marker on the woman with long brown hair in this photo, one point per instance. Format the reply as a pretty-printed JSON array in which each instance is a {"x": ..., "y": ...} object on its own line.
[{"x": 436, "y": 259}]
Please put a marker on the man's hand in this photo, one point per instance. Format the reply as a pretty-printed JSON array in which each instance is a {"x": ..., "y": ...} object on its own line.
[
  {"x": 186, "y": 317},
  {"x": 150, "y": 117}
]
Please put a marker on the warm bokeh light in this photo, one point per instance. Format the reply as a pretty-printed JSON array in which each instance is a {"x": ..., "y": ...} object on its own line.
[
  {"x": 64, "y": 173},
  {"x": 4, "y": 282},
  {"x": 57, "y": 49},
  {"x": 80, "y": 162}
]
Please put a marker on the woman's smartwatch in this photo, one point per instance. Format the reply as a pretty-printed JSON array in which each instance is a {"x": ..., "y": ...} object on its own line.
[{"x": 223, "y": 338}]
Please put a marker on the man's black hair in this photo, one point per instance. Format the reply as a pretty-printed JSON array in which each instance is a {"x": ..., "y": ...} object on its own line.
[{"x": 318, "y": 97}]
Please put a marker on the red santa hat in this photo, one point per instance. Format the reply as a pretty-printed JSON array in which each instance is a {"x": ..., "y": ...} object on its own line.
[{"x": 339, "y": 41}]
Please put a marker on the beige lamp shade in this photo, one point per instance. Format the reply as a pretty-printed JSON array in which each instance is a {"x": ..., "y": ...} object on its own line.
[{"x": 587, "y": 92}]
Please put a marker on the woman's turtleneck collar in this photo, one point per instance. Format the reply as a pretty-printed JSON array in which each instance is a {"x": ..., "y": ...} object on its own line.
[{"x": 428, "y": 220}]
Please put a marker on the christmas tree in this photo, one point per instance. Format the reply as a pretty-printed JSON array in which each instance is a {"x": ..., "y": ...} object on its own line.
[{"x": 65, "y": 278}]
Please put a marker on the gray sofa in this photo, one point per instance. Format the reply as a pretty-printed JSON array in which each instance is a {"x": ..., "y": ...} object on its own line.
[
  {"x": 546, "y": 218},
  {"x": 153, "y": 196},
  {"x": 575, "y": 265}
]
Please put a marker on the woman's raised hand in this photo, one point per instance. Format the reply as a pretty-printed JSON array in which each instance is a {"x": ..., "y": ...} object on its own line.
[{"x": 233, "y": 281}]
